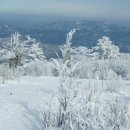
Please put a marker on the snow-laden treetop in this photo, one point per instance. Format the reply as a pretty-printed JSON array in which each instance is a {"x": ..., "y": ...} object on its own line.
[
  {"x": 25, "y": 46},
  {"x": 106, "y": 50},
  {"x": 69, "y": 37}
]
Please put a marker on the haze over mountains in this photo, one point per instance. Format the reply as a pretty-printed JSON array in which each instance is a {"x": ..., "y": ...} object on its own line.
[{"x": 53, "y": 32}]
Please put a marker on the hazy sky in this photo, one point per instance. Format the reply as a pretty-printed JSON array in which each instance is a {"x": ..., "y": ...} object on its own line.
[{"x": 119, "y": 9}]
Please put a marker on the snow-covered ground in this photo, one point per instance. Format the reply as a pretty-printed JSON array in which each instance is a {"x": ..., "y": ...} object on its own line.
[{"x": 21, "y": 100}]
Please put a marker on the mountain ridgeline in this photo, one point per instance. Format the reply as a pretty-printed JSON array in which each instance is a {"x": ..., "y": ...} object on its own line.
[{"x": 87, "y": 32}]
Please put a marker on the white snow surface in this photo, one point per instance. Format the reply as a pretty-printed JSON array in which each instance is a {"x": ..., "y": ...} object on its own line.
[{"x": 21, "y": 100}]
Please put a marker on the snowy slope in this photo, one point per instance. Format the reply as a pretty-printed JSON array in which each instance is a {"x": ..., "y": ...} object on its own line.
[{"x": 21, "y": 100}]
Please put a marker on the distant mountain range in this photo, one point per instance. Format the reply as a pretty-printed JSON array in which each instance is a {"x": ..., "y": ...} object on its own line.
[{"x": 87, "y": 32}]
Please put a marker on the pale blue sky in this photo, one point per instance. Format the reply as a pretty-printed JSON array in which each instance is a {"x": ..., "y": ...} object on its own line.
[{"x": 119, "y": 9}]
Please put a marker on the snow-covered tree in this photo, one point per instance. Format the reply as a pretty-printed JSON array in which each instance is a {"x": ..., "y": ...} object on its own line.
[
  {"x": 67, "y": 49},
  {"x": 18, "y": 50},
  {"x": 17, "y": 45},
  {"x": 67, "y": 91},
  {"x": 106, "y": 50},
  {"x": 65, "y": 66}
]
